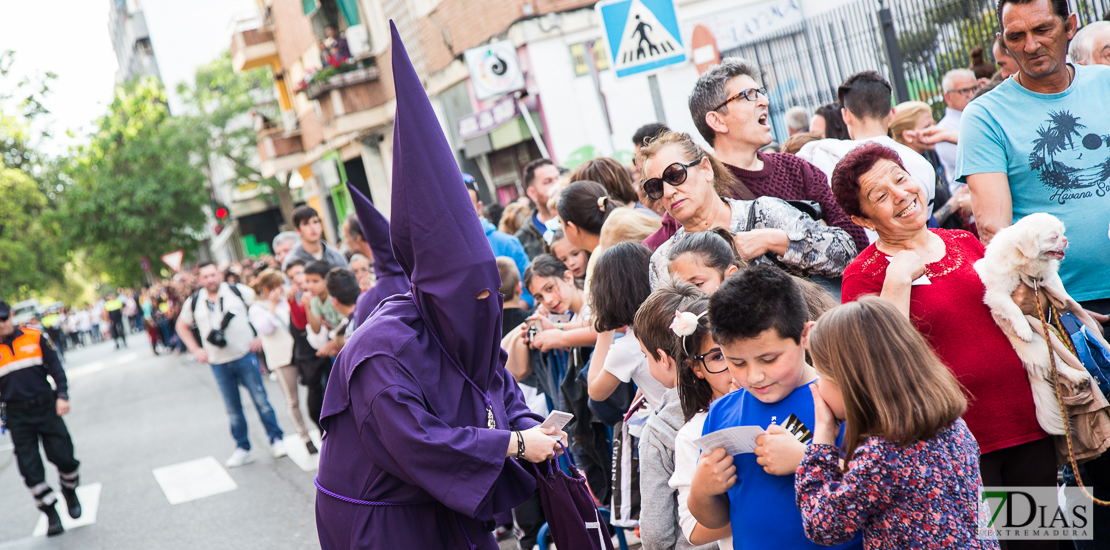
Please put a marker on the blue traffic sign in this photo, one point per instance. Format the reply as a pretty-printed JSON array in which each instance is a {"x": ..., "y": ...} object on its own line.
[{"x": 643, "y": 35}]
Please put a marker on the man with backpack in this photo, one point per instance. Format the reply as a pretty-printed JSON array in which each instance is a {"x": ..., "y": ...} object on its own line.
[{"x": 227, "y": 342}]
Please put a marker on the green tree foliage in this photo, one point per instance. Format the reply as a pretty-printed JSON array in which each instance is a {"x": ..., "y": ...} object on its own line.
[
  {"x": 30, "y": 258},
  {"x": 220, "y": 103},
  {"x": 134, "y": 190}
]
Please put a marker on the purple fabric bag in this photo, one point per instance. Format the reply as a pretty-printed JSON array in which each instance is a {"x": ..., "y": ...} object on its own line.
[{"x": 572, "y": 516}]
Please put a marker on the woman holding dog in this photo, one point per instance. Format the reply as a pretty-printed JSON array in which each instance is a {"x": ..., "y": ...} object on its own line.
[{"x": 928, "y": 275}]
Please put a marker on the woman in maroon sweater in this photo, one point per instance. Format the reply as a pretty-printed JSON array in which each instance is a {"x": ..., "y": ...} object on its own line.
[{"x": 928, "y": 275}]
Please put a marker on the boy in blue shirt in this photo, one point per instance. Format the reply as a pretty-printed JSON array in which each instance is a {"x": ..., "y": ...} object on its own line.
[{"x": 759, "y": 318}]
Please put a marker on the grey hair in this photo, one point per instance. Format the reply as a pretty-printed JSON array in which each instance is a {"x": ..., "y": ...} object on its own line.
[
  {"x": 356, "y": 257},
  {"x": 709, "y": 91},
  {"x": 949, "y": 80},
  {"x": 286, "y": 236},
  {"x": 1083, "y": 45},
  {"x": 797, "y": 119}
]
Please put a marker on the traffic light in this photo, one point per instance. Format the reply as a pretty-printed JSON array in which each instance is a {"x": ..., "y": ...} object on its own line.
[{"x": 222, "y": 214}]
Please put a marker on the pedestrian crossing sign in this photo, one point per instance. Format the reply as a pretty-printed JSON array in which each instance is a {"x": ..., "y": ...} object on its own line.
[{"x": 642, "y": 34}]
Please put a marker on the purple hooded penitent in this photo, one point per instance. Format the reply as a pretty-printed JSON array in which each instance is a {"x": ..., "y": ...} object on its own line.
[
  {"x": 391, "y": 279},
  {"x": 407, "y": 412}
]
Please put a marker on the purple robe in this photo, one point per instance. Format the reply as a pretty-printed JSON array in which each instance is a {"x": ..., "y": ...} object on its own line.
[
  {"x": 398, "y": 429},
  {"x": 405, "y": 413}
]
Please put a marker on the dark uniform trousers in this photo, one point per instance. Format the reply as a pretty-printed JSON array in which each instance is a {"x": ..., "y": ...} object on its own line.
[{"x": 37, "y": 420}]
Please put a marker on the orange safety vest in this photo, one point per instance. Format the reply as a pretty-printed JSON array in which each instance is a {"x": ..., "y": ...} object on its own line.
[{"x": 25, "y": 352}]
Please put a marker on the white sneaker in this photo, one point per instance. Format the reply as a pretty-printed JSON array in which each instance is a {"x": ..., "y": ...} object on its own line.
[
  {"x": 277, "y": 448},
  {"x": 240, "y": 457}
]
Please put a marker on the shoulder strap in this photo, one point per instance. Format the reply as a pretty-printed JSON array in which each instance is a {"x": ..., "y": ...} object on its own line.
[
  {"x": 194, "y": 298},
  {"x": 235, "y": 289}
]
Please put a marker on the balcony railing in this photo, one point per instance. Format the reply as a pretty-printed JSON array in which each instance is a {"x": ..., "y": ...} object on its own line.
[
  {"x": 351, "y": 78},
  {"x": 280, "y": 151},
  {"x": 252, "y": 47}
]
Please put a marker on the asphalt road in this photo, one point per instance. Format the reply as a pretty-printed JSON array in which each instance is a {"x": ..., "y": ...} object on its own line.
[{"x": 134, "y": 412}]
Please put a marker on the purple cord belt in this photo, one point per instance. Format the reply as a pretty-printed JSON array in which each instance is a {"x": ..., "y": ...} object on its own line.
[{"x": 316, "y": 480}]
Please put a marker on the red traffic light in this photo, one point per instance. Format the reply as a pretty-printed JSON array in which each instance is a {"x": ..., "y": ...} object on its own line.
[{"x": 221, "y": 213}]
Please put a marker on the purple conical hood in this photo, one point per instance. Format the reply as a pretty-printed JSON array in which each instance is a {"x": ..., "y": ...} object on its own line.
[
  {"x": 375, "y": 229},
  {"x": 436, "y": 234},
  {"x": 391, "y": 279}
]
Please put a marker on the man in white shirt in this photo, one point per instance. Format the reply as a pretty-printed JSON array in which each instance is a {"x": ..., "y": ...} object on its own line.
[
  {"x": 959, "y": 87},
  {"x": 228, "y": 343},
  {"x": 865, "y": 105}
]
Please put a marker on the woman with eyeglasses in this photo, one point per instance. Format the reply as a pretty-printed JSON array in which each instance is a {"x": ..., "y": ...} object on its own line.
[
  {"x": 767, "y": 230},
  {"x": 673, "y": 327}
]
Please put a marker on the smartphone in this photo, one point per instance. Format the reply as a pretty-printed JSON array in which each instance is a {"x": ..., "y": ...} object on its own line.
[{"x": 556, "y": 420}]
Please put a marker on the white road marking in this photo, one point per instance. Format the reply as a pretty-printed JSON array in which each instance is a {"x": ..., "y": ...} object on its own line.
[
  {"x": 97, "y": 366},
  {"x": 299, "y": 454},
  {"x": 194, "y": 480},
  {"x": 89, "y": 495}
]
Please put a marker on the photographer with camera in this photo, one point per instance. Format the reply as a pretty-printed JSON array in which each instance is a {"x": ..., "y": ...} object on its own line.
[{"x": 228, "y": 343}]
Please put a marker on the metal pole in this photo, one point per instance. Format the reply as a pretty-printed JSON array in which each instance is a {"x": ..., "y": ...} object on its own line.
[
  {"x": 591, "y": 62},
  {"x": 657, "y": 99},
  {"x": 894, "y": 55},
  {"x": 532, "y": 127}
]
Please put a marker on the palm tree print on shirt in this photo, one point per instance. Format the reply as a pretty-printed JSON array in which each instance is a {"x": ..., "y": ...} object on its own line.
[{"x": 1073, "y": 165}]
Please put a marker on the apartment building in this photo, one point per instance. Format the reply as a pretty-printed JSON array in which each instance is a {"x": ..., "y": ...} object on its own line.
[
  {"x": 336, "y": 123},
  {"x": 131, "y": 40}
]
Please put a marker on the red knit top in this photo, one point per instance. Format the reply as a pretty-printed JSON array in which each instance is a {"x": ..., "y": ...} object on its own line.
[
  {"x": 788, "y": 178},
  {"x": 950, "y": 313}
]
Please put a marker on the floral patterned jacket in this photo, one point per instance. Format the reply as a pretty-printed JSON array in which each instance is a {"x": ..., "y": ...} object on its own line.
[{"x": 923, "y": 495}]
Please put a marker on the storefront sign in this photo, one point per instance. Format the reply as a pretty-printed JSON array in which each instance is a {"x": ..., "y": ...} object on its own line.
[
  {"x": 736, "y": 27},
  {"x": 487, "y": 120},
  {"x": 494, "y": 69}
]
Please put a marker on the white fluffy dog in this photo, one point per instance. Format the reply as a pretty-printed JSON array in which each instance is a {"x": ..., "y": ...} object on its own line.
[{"x": 1029, "y": 251}]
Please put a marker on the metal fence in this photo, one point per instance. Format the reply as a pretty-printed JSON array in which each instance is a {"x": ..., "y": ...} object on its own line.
[{"x": 803, "y": 65}]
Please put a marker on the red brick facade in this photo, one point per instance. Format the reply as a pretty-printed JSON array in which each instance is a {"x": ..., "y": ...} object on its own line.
[{"x": 469, "y": 23}]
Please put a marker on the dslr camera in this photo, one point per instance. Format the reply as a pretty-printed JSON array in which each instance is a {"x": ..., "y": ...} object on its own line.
[{"x": 216, "y": 336}]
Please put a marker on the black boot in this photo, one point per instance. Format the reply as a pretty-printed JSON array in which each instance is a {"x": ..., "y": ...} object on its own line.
[
  {"x": 72, "y": 503},
  {"x": 53, "y": 520},
  {"x": 311, "y": 448}
]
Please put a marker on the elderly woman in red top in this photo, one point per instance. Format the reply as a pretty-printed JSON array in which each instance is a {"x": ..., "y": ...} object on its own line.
[{"x": 928, "y": 275}]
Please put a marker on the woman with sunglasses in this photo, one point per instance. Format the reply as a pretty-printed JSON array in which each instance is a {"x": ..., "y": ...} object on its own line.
[{"x": 767, "y": 231}]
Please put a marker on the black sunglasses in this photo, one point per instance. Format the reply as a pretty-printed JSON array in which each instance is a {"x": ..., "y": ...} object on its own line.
[
  {"x": 714, "y": 357},
  {"x": 674, "y": 174}
]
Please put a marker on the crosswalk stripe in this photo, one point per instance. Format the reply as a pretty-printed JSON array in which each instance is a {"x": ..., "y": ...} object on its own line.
[
  {"x": 195, "y": 479},
  {"x": 89, "y": 495}
]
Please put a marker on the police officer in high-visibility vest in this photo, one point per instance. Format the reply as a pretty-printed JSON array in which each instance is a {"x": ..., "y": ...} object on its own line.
[
  {"x": 32, "y": 411},
  {"x": 113, "y": 313}
]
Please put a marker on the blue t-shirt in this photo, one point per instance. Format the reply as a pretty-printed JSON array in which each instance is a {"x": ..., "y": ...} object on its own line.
[
  {"x": 761, "y": 506},
  {"x": 1055, "y": 148}
]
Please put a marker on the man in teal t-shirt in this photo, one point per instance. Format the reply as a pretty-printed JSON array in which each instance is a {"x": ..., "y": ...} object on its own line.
[{"x": 1040, "y": 142}]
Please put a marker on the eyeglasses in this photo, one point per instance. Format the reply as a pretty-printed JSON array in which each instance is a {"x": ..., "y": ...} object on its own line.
[
  {"x": 713, "y": 361},
  {"x": 674, "y": 174},
  {"x": 751, "y": 94},
  {"x": 965, "y": 91},
  {"x": 362, "y": 270}
]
